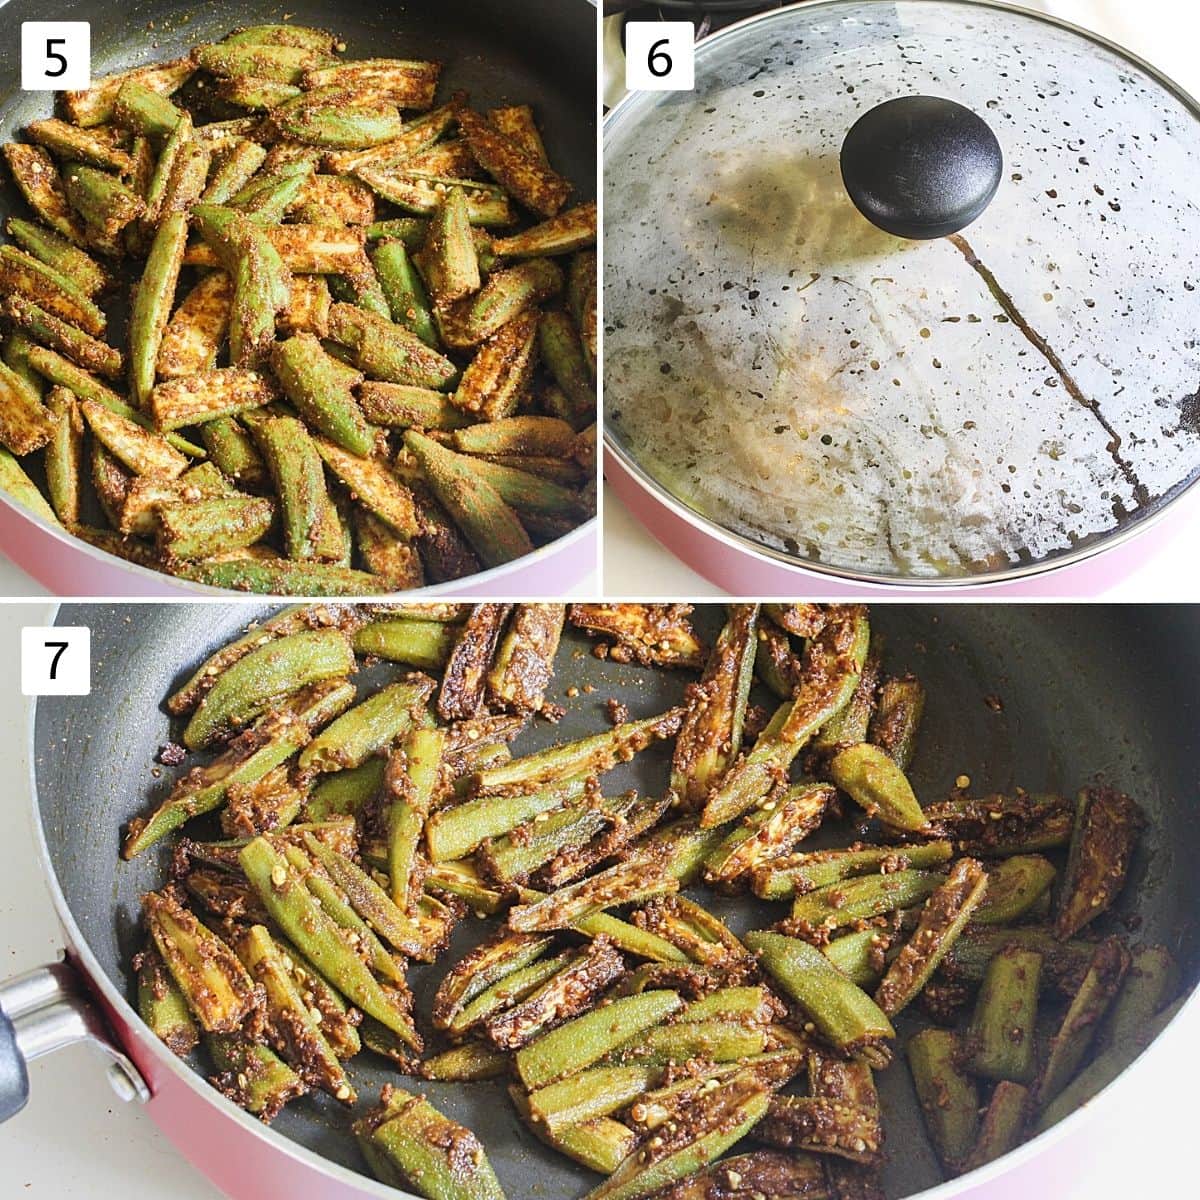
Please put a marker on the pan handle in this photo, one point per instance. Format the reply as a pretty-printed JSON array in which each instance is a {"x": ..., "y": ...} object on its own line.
[{"x": 45, "y": 1010}]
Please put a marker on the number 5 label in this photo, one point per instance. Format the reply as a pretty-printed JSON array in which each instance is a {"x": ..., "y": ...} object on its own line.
[
  {"x": 56, "y": 660},
  {"x": 56, "y": 56},
  {"x": 660, "y": 56}
]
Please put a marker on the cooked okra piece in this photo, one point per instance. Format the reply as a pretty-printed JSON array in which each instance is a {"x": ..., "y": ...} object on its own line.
[
  {"x": 404, "y": 290},
  {"x": 25, "y": 423},
  {"x": 305, "y": 249},
  {"x": 492, "y": 961},
  {"x": 270, "y": 193},
  {"x": 64, "y": 456},
  {"x": 283, "y": 35},
  {"x": 1106, "y": 829},
  {"x": 769, "y": 831},
  {"x": 387, "y": 351},
  {"x": 574, "y": 229},
  {"x": 95, "y": 105},
  {"x": 17, "y": 348},
  {"x": 408, "y": 83},
  {"x": 562, "y": 353},
  {"x": 198, "y": 529},
  {"x": 1002, "y": 1125},
  {"x": 17, "y": 485},
  {"x": 143, "y": 452},
  {"x": 620, "y": 884},
  {"x": 554, "y": 438},
  {"x": 1000, "y": 1042},
  {"x": 943, "y": 918},
  {"x": 468, "y": 1063},
  {"x": 716, "y": 1041},
  {"x": 281, "y": 577},
  {"x": 505, "y": 993},
  {"x": 420, "y": 1148},
  {"x": 96, "y": 148},
  {"x": 282, "y": 63},
  {"x": 346, "y": 792},
  {"x": 374, "y": 486},
  {"x": 143, "y": 110},
  {"x": 523, "y": 175},
  {"x": 582, "y": 299},
  {"x": 524, "y": 662},
  {"x": 413, "y": 776},
  {"x": 448, "y": 259},
  {"x": 694, "y": 930},
  {"x": 368, "y": 728},
  {"x": 308, "y": 307},
  {"x": 37, "y": 177},
  {"x": 759, "y": 1173},
  {"x": 833, "y": 661},
  {"x": 841, "y": 1011},
  {"x": 422, "y": 644},
  {"x": 507, "y": 293},
  {"x": 67, "y": 339},
  {"x": 949, "y": 1100},
  {"x": 1151, "y": 980},
  {"x": 875, "y": 783},
  {"x": 798, "y": 874},
  {"x": 401, "y": 406},
  {"x": 597, "y": 1092},
  {"x": 897, "y": 717},
  {"x": 823, "y": 1125},
  {"x": 838, "y": 905},
  {"x": 61, "y": 255},
  {"x": 244, "y": 91},
  {"x": 861, "y": 955},
  {"x": 422, "y": 193},
  {"x": 271, "y": 802},
  {"x": 600, "y": 1144},
  {"x": 1064, "y": 964},
  {"x": 252, "y": 1076},
  {"x": 299, "y": 477},
  {"x": 849, "y": 726},
  {"x": 208, "y": 395},
  {"x": 1070, "y": 1045},
  {"x": 299, "y": 915},
  {"x": 23, "y": 275},
  {"x": 207, "y": 972},
  {"x": 1015, "y": 887},
  {"x": 106, "y": 205},
  {"x": 234, "y": 164},
  {"x": 162, "y": 1005},
  {"x": 999, "y": 826},
  {"x": 264, "y": 675},
  {"x": 497, "y": 378},
  {"x": 185, "y": 183}
]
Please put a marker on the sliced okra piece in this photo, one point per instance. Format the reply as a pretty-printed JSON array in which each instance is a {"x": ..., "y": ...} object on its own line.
[
  {"x": 448, "y": 258},
  {"x": 23, "y": 275},
  {"x": 111, "y": 483},
  {"x": 408, "y": 83},
  {"x": 589, "y": 756},
  {"x": 308, "y": 307},
  {"x": 517, "y": 123},
  {"x": 106, "y": 204},
  {"x": 715, "y": 1041},
  {"x": 293, "y": 1029},
  {"x": 462, "y": 881},
  {"x": 245, "y": 91},
  {"x": 574, "y": 229},
  {"x": 346, "y": 792},
  {"x": 422, "y": 644},
  {"x": 419, "y": 134},
  {"x": 59, "y": 254},
  {"x": 468, "y": 1063},
  {"x": 600, "y": 1144},
  {"x": 162, "y": 1005},
  {"x": 329, "y": 197},
  {"x": 67, "y": 339},
  {"x": 838, "y": 905},
  {"x": 861, "y": 955},
  {"x": 142, "y": 109},
  {"x": 37, "y": 177},
  {"x": 195, "y": 331},
  {"x": 152, "y": 304},
  {"x": 819, "y": 1124},
  {"x": 299, "y": 477},
  {"x": 25, "y": 423},
  {"x": 451, "y": 158},
  {"x": 272, "y": 802},
  {"x": 507, "y": 293},
  {"x": 999, "y": 826},
  {"x": 562, "y": 352},
  {"x": 282, "y": 577},
  {"x": 187, "y": 178},
  {"x": 425, "y": 1150},
  {"x": 266, "y": 674},
  {"x": 262, "y": 286},
  {"x": 95, "y": 105},
  {"x": 533, "y": 497},
  {"x": 897, "y": 718},
  {"x": 849, "y": 726},
  {"x": 421, "y": 193},
  {"x": 304, "y": 36},
  {"x": 586, "y": 1039},
  {"x": 413, "y": 777},
  {"x": 627, "y": 937},
  {"x": 198, "y": 529},
  {"x": 1106, "y": 829},
  {"x": 694, "y": 930},
  {"x": 759, "y": 1173},
  {"x": 841, "y": 1011},
  {"x": 536, "y": 435},
  {"x": 358, "y": 287},
  {"x": 596, "y": 1092},
  {"x": 682, "y": 846},
  {"x": 95, "y": 147},
  {"x": 581, "y": 300},
  {"x": 445, "y": 553},
  {"x": 234, "y": 164},
  {"x": 402, "y": 406},
  {"x": 833, "y": 661},
  {"x": 949, "y": 1099},
  {"x": 522, "y": 175},
  {"x": 215, "y": 984},
  {"x": 1151, "y": 980},
  {"x": 64, "y": 456},
  {"x": 387, "y": 351},
  {"x": 1064, "y": 964},
  {"x": 322, "y": 393},
  {"x": 490, "y": 525},
  {"x": 305, "y": 249},
  {"x": 1002, "y": 1126},
  {"x": 524, "y": 663},
  {"x": 269, "y": 194},
  {"x": 209, "y": 395},
  {"x": 300, "y": 916},
  {"x": 1071, "y": 1043},
  {"x": 252, "y": 1075},
  {"x": 16, "y": 357},
  {"x": 278, "y": 62},
  {"x": 143, "y": 452},
  {"x": 873, "y": 781},
  {"x": 1000, "y": 1042},
  {"x": 409, "y": 230},
  {"x": 1015, "y": 886},
  {"x": 496, "y": 379},
  {"x": 374, "y": 486},
  {"x": 799, "y": 874},
  {"x": 618, "y": 885},
  {"x": 368, "y": 728},
  {"x": 160, "y": 179},
  {"x": 769, "y": 831},
  {"x": 943, "y": 918},
  {"x": 492, "y": 961}
]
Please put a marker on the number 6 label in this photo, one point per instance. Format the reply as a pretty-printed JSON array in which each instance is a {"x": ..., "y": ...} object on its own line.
[
  {"x": 660, "y": 56},
  {"x": 56, "y": 56},
  {"x": 56, "y": 660}
]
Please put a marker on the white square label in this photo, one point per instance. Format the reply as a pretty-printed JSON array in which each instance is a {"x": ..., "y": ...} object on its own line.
[
  {"x": 660, "y": 56},
  {"x": 56, "y": 660},
  {"x": 56, "y": 56}
]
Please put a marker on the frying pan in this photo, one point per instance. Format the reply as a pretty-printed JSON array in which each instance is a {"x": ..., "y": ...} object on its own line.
[
  {"x": 537, "y": 52},
  {"x": 1083, "y": 692}
]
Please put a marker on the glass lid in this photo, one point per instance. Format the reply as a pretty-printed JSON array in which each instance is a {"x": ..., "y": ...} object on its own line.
[{"x": 929, "y": 408}]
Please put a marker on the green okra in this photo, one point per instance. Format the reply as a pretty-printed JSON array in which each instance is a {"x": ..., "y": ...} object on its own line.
[
  {"x": 1002, "y": 1125},
  {"x": 143, "y": 452},
  {"x": 769, "y": 831},
  {"x": 189, "y": 173},
  {"x": 64, "y": 456},
  {"x": 525, "y": 435},
  {"x": 422, "y": 644},
  {"x": 421, "y": 194},
  {"x": 375, "y": 487},
  {"x": 298, "y": 914},
  {"x": 562, "y": 352},
  {"x": 1073, "y": 1040},
  {"x": 717, "y": 1041},
  {"x": 143, "y": 110},
  {"x": 402, "y": 406},
  {"x": 303, "y": 36},
  {"x": 461, "y": 880},
  {"x": 25, "y": 423},
  {"x": 468, "y": 1063},
  {"x": 234, "y": 165},
  {"x": 597, "y": 1092},
  {"x": 152, "y": 303},
  {"x": 860, "y": 955},
  {"x": 102, "y": 200},
  {"x": 841, "y": 1011},
  {"x": 948, "y": 1098},
  {"x": 299, "y": 477},
  {"x": 412, "y": 788},
  {"x": 96, "y": 148},
  {"x": 1015, "y": 886},
  {"x": 94, "y": 106},
  {"x": 600, "y": 1144},
  {"x": 213, "y": 981},
  {"x": 849, "y": 726},
  {"x": 194, "y": 333},
  {"x": 409, "y": 230},
  {"x": 161, "y": 176},
  {"x": 574, "y": 229},
  {"x": 208, "y": 395},
  {"x": 497, "y": 377},
  {"x": 585, "y": 1040},
  {"x": 502, "y": 995},
  {"x": 838, "y": 905},
  {"x": 627, "y": 937},
  {"x": 163, "y": 1006},
  {"x": 798, "y": 874},
  {"x": 582, "y": 300},
  {"x": 1151, "y": 980},
  {"x": 897, "y": 718},
  {"x": 245, "y": 91},
  {"x": 387, "y": 351},
  {"x": 15, "y": 356},
  {"x": 570, "y": 862},
  {"x": 252, "y": 1075},
  {"x": 273, "y": 740},
  {"x": 425, "y": 1150},
  {"x": 682, "y": 846},
  {"x": 36, "y": 175},
  {"x": 1064, "y": 964},
  {"x": 833, "y": 662},
  {"x": 59, "y": 254},
  {"x": 346, "y": 792},
  {"x": 198, "y": 529},
  {"x": 341, "y": 126},
  {"x": 1000, "y": 826},
  {"x": 874, "y": 782},
  {"x": 694, "y": 930},
  {"x": 292, "y": 1027},
  {"x": 268, "y": 195},
  {"x": 321, "y": 392},
  {"x": 507, "y": 293},
  {"x": 942, "y": 921},
  {"x": 278, "y": 62},
  {"x": 528, "y": 177},
  {"x": 1000, "y": 1042},
  {"x": 527, "y": 494},
  {"x": 407, "y": 301},
  {"x": 273, "y": 671},
  {"x": 368, "y": 728},
  {"x": 448, "y": 259},
  {"x": 67, "y": 339},
  {"x": 359, "y": 288},
  {"x": 283, "y": 578},
  {"x": 23, "y": 275},
  {"x": 620, "y": 884}
]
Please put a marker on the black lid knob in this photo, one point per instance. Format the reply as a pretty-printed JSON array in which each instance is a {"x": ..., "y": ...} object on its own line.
[{"x": 921, "y": 167}]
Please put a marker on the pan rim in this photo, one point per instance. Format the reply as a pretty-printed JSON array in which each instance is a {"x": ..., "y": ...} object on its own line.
[{"x": 97, "y": 978}]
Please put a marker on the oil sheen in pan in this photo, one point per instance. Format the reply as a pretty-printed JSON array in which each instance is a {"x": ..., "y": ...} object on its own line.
[{"x": 851, "y": 400}]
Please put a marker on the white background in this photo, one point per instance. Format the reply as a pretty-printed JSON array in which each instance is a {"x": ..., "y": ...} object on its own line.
[{"x": 1165, "y": 33}]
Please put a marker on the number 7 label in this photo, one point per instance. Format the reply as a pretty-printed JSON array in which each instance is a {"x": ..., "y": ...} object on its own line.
[
  {"x": 56, "y": 660},
  {"x": 56, "y": 56},
  {"x": 660, "y": 56}
]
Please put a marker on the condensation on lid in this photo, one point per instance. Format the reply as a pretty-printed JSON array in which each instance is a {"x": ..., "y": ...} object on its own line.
[{"x": 902, "y": 409}]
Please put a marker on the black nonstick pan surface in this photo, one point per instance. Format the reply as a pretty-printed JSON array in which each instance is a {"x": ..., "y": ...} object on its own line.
[{"x": 1041, "y": 696}]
